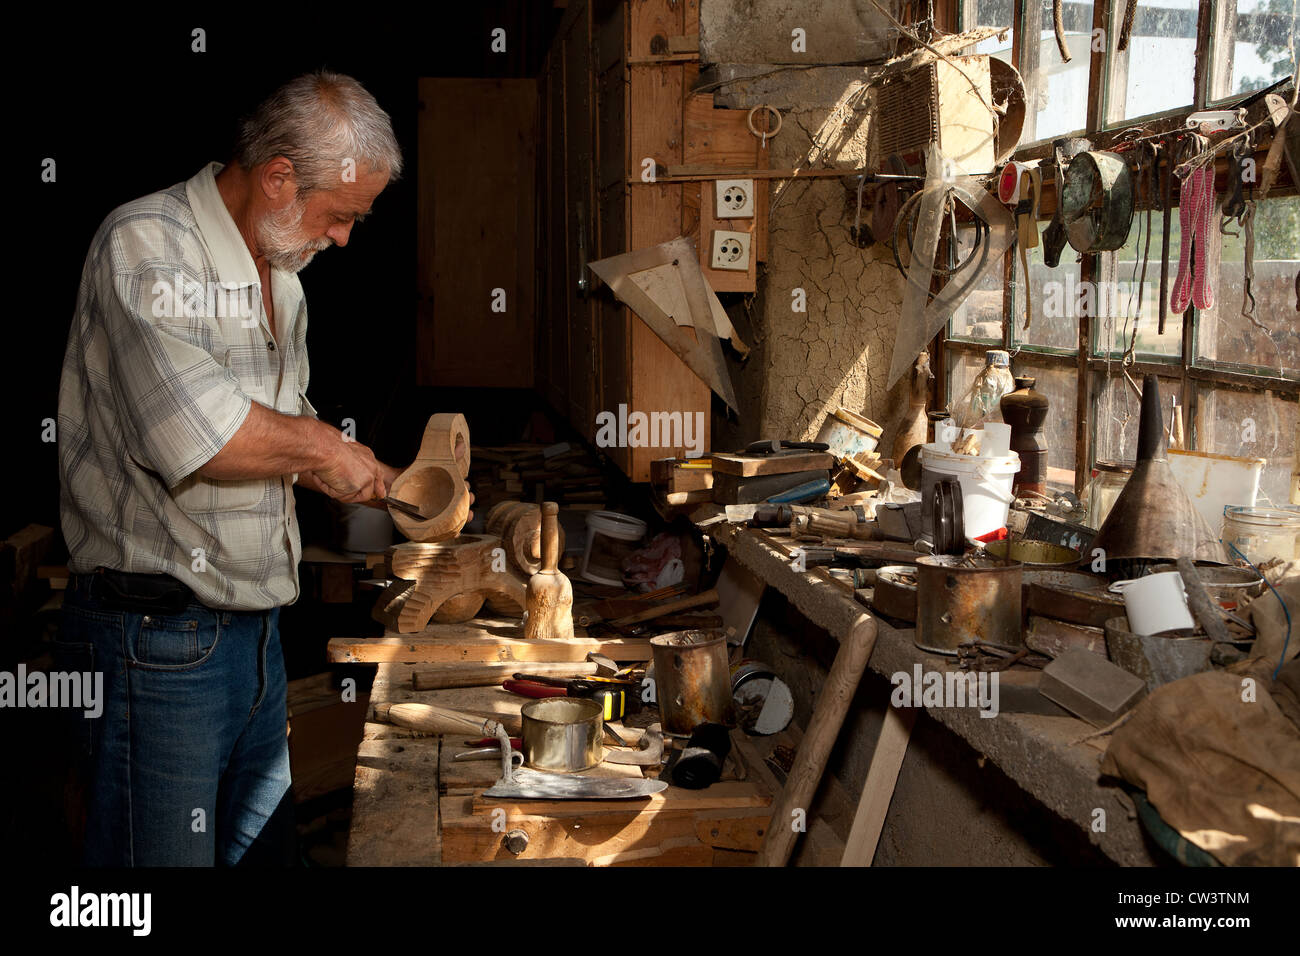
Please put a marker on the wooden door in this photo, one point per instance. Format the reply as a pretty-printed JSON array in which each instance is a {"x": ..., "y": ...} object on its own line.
[{"x": 476, "y": 241}]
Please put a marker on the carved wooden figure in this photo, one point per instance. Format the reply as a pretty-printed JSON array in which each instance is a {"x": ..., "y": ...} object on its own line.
[
  {"x": 435, "y": 483},
  {"x": 519, "y": 523},
  {"x": 447, "y": 582},
  {"x": 549, "y": 595}
]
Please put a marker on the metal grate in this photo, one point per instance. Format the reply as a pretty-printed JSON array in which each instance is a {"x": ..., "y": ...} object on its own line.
[{"x": 907, "y": 111}]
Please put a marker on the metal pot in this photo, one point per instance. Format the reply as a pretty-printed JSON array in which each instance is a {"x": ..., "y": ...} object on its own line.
[
  {"x": 693, "y": 680},
  {"x": 1035, "y": 554},
  {"x": 562, "y": 734},
  {"x": 966, "y": 600}
]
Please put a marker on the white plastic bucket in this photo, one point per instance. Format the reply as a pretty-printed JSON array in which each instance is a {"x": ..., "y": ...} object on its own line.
[
  {"x": 985, "y": 485},
  {"x": 615, "y": 527},
  {"x": 1215, "y": 481}
]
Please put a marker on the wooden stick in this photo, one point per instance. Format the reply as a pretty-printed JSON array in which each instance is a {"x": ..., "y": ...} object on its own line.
[
  {"x": 672, "y": 607},
  {"x": 1198, "y": 598},
  {"x": 878, "y": 790},
  {"x": 486, "y": 675},
  {"x": 431, "y": 719},
  {"x": 815, "y": 748}
]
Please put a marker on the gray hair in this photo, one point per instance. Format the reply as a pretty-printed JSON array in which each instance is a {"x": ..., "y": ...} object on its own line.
[{"x": 317, "y": 121}]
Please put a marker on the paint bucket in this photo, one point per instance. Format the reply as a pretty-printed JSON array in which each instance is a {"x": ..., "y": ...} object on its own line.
[
  {"x": 611, "y": 539},
  {"x": 1215, "y": 481},
  {"x": 985, "y": 485}
]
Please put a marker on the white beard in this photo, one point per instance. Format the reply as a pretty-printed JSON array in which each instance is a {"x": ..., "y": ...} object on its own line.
[{"x": 277, "y": 236}]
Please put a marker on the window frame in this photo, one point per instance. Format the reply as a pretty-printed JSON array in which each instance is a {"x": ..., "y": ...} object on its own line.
[{"x": 1192, "y": 377}]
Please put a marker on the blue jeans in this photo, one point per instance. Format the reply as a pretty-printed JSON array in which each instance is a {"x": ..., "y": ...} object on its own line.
[{"x": 189, "y": 759}]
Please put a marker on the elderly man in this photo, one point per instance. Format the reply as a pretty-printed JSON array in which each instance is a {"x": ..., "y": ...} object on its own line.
[{"x": 183, "y": 427}]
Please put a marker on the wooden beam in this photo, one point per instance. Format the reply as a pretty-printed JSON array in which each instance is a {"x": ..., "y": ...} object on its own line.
[
  {"x": 486, "y": 649},
  {"x": 878, "y": 790},
  {"x": 815, "y": 748}
]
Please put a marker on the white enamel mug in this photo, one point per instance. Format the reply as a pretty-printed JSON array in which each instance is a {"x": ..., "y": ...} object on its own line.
[{"x": 1156, "y": 603}]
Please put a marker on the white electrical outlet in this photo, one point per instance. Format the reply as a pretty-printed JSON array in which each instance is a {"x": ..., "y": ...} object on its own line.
[
  {"x": 734, "y": 199},
  {"x": 730, "y": 250}
]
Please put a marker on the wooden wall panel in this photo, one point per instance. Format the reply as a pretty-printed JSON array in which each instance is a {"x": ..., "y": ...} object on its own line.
[
  {"x": 554, "y": 343},
  {"x": 584, "y": 344},
  {"x": 477, "y": 169},
  {"x": 661, "y": 382},
  {"x": 614, "y": 323}
]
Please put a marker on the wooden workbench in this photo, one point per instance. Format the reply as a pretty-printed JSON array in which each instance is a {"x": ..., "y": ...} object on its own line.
[{"x": 413, "y": 805}]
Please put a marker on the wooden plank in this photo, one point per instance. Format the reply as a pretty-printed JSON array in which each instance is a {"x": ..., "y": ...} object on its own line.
[
  {"x": 618, "y": 835},
  {"x": 659, "y": 380},
  {"x": 748, "y": 466},
  {"x": 717, "y": 137},
  {"x": 421, "y": 649},
  {"x": 685, "y": 44},
  {"x": 395, "y": 805},
  {"x": 878, "y": 790},
  {"x": 695, "y": 173}
]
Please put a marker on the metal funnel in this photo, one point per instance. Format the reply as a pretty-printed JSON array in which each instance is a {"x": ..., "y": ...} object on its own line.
[{"x": 1153, "y": 519}]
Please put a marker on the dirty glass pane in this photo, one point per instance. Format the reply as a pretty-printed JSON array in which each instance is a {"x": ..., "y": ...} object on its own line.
[
  {"x": 1271, "y": 343},
  {"x": 990, "y": 13},
  {"x": 1251, "y": 425},
  {"x": 1117, "y": 413},
  {"x": 1254, "y": 45},
  {"x": 1060, "y": 386},
  {"x": 979, "y": 317},
  {"x": 1057, "y": 91},
  {"x": 1157, "y": 71},
  {"x": 1115, "y": 295},
  {"x": 962, "y": 369},
  {"x": 1052, "y": 298}
]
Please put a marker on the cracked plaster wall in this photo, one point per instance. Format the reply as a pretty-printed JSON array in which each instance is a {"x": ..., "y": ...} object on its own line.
[{"x": 804, "y": 365}]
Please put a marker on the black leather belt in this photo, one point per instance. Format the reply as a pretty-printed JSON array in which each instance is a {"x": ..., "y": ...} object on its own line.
[{"x": 143, "y": 593}]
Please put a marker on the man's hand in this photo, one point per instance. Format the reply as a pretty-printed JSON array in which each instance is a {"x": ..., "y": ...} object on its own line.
[{"x": 351, "y": 472}]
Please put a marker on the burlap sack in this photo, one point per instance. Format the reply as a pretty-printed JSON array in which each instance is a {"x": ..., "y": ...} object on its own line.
[{"x": 1222, "y": 769}]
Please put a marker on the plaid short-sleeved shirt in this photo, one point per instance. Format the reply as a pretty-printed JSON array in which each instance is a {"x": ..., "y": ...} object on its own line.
[{"x": 168, "y": 349}]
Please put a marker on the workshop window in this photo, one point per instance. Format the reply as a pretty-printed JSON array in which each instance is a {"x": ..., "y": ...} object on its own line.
[
  {"x": 1250, "y": 424},
  {"x": 1127, "y": 306},
  {"x": 1254, "y": 44},
  {"x": 1231, "y": 371},
  {"x": 1268, "y": 343},
  {"x": 1157, "y": 72},
  {"x": 1057, "y": 92}
]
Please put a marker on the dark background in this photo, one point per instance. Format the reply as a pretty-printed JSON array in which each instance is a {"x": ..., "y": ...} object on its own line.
[{"x": 125, "y": 108}]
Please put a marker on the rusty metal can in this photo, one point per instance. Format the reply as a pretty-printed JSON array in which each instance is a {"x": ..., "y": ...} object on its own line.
[
  {"x": 692, "y": 680},
  {"x": 967, "y": 600}
]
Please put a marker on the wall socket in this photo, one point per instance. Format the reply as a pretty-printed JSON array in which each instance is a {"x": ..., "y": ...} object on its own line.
[
  {"x": 734, "y": 199},
  {"x": 730, "y": 250}
]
